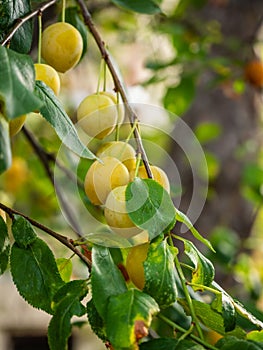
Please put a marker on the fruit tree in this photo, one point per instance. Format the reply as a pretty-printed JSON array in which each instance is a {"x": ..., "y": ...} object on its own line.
[{"x": 147, "y": 284}]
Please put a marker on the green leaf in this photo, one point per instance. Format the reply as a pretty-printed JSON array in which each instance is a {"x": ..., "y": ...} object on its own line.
[
  {"x": 96, "y": 322},
  {"x": 207, "y": 131},
  {"x": 72, "y": 17},
  {"x": 106, "y": 278},
  {"x": 17, "y": 82},
  {"x": 233, "y": 343},
  {"x": 23, "y": 232},
  {"x": 252, "y": 175},
  {"x": 171, "y": 344},
  {"x": 66, "y": 305},
  {"x": 204, "y": 312},
  {"x": 204, "y": 272},
  {"x": 223, "y": 304},
  {"x": 142, "y": 6},
  {"x": 53, "y": 111},
  {"x": 179, "y": 98},
  {"x": 5, "y": 147},
  {"x": 256, "y": 336},
  {"x": 10, "y": 11},
  {"x": 108, "y": 239},
  {"x": 35, "y": 274},
  {"x": 246, "y": 314},
  {"x": 127, "y": 314},
  {"x": 150, "y": 206},
  {"x": 159, "y": 272},
  {"x": 65, "y": 268},
  {"x": 181, "y": 217},
  {"x": 4, "y": 246},
  {"x": 3, "y": 233},
  {"x": 240, "y": 309},
  {"x": 212, "y": 166}
]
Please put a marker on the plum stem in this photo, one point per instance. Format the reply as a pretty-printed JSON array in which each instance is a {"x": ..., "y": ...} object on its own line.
[{"x": 133, "y": 118}]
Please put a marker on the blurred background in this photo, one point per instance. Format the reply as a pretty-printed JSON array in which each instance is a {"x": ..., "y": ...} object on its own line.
[{"x": 201, "y": 62}]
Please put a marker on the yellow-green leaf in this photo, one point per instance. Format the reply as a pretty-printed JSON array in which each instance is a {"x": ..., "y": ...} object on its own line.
[
  {"x": 204, "y": 272},
  {"x": 127, "y": 313}
]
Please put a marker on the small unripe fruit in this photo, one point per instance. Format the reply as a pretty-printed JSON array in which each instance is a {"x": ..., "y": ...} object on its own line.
[
  {"x": 15, "y": 125},
  {"x": 134, "y": 264},
  {"x": 158, "y": 175},
  {"x": 104, "y": 176},
  {"x": 120, "y": 150},
  {"x": 62, "y": 46},
  {"x": 48, "y": 75},
  {"x": 116, "y": 214},
  {"x": 254, "y": 73},
  {"x": 97, "y": 115}
]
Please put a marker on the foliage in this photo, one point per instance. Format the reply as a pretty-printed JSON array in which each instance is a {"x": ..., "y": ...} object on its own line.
[{"x": 119, "y": 313}]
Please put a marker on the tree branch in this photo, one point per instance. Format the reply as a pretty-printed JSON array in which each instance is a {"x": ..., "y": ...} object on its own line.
[
  {"x": 68, "y": 242},
  {"x": 45, "y": 158},
  {"x": 118, "y": 84},
  {"x": 21, "y": 21}
]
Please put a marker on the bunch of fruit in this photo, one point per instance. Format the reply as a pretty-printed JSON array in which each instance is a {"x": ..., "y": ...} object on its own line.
[
  {"x": 107, "y": 178},
  {"x": 61, "y": 49}
]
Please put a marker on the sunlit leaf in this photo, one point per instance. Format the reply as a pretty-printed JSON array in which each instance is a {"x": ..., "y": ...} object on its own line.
[
  {"x": 149, "y": 206},
  {"x": 53, "y": 111},
  {"x": 256, "y": 336},
  {"x": 159, "y": 272},
  {"x": 204, "y": 312},
  {"x": 106, "y": 278},
  {"x": 66, "y": 304},
  {"x": 5, "y": 147},
  {"x": 240, "y": 309},
  {"x": 17, "y": 82},
  {"x": 223, "y": 304},
  {"x": 181, "y": 217},
  {"x": 128, "y": 315},
  {"x": 108, "y": 239},
  {"x": 204, "y": 272},
  {"x": 65, "y": 268}
]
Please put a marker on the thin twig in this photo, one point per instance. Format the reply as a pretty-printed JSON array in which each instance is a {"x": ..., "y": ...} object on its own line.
[
  {"x": 68, "y": 242},
  {"x": 45, "y": 159},
  {"x": 181, "y": 329},
  {"x": 186, "y": 293},
  {"x": 118, "y": 84},
  {"x": 21, "y": 21},
  {"x": 51, "y": 157}
]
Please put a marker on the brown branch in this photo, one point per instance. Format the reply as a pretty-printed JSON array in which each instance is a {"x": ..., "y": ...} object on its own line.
[
  {"x": 118, "y": 84},
  {"x": 22, "y": 20},
  {"x": 45, "y": 159},
  {"x": 68, "y": 242}
]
